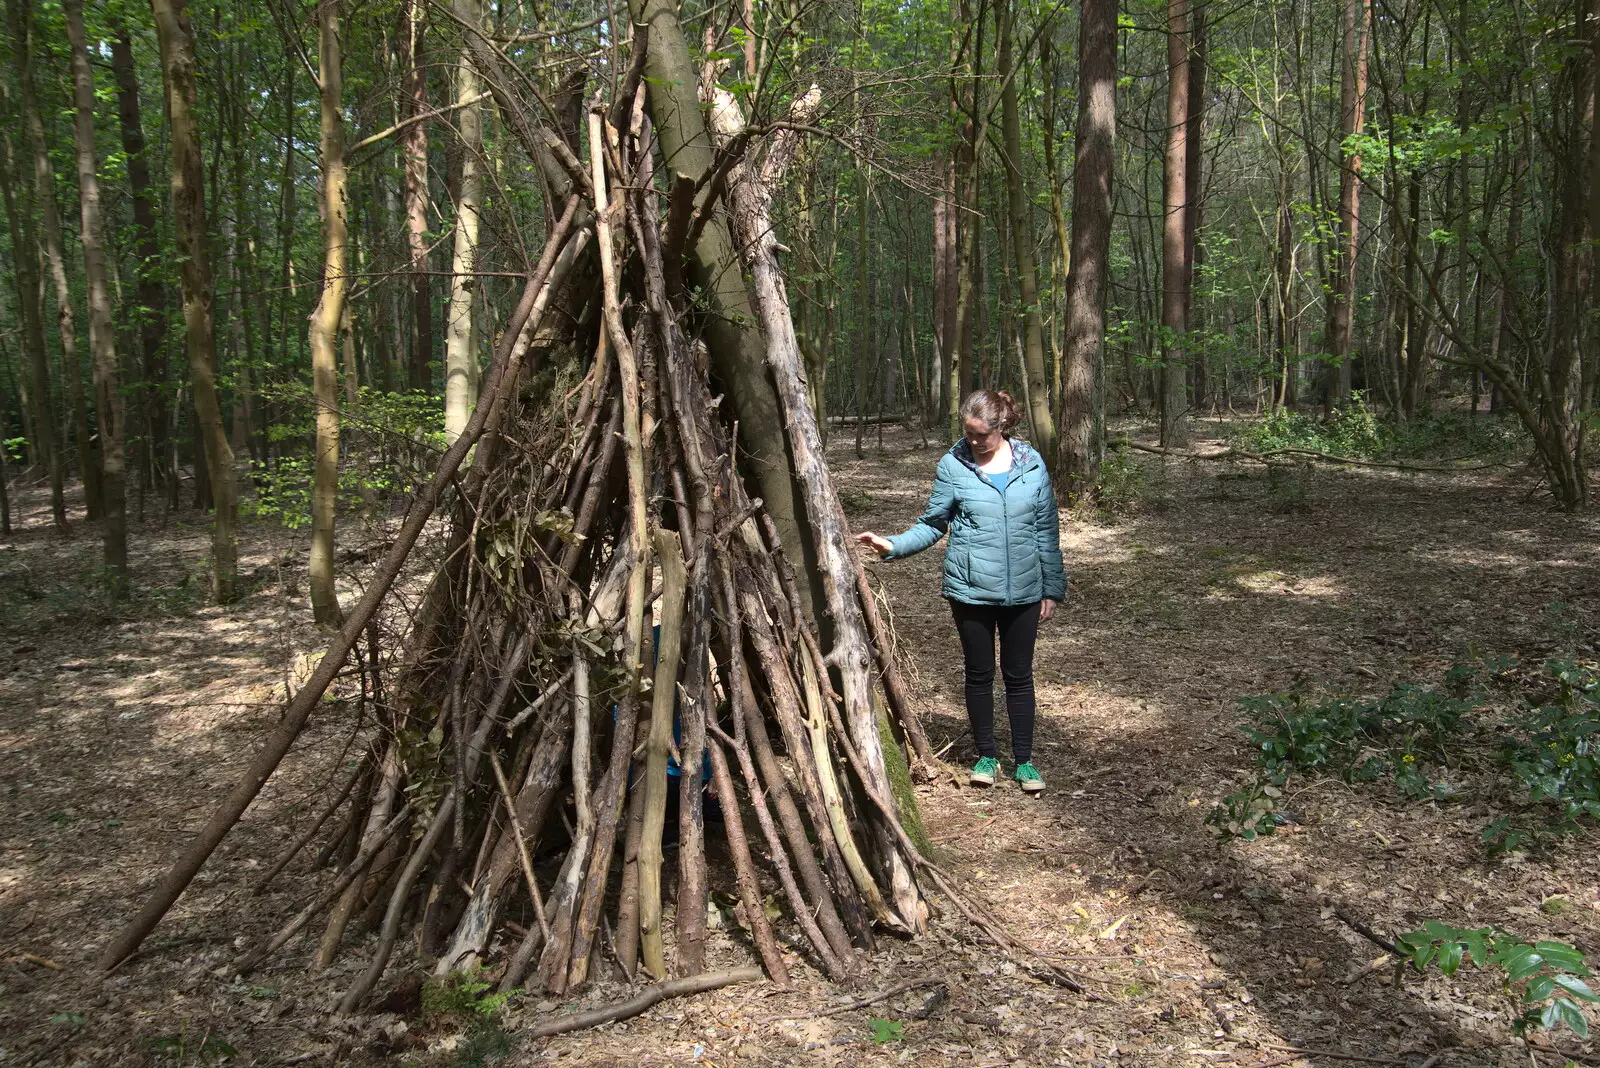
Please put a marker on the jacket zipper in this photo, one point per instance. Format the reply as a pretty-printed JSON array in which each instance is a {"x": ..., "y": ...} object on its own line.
[{"x": 1005, "y": 516}]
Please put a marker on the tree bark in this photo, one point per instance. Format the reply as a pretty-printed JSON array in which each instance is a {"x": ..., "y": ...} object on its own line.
[
  {"x": 34, "y": 378},
  {"x": 43, "y": 189},
  {"x": 1174, "y": 234},
  {"x": 1038, "y": 382},
  {"x": 324, "y": 333},
  {"x": 461, "y": 359},
  {"x": 414, "y": 154},
  {"x": 750, "y": 196},
  {"x": 149, "y": 313},
  {"x": 1081, "y": 348},
  {"x": 732, "y": 336},
  {"x": 102, "y": 339},
  {"x": 194, "y": 267},
  {"x": 1352, "y": 118}
]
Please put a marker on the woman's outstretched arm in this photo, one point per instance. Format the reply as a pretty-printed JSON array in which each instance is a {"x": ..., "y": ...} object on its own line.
[{"x": 929, "y": 527}]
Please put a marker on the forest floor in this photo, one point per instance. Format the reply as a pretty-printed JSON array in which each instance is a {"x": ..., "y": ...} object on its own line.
[{"x": 120, "y": 727}]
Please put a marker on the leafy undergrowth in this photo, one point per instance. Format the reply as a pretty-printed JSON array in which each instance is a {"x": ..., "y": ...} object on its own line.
[
  {"x": 1359, "y": 432},
  {"x": 1539, "y": 741},
  {"x": 1527, "y": 737}
]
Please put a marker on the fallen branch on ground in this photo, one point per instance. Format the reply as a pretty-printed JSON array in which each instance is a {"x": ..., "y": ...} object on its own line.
[
  {"x": 860, "y": 1003},
  {"x": 644, "y": 999},
  {"x": 1266, "y": 456}
]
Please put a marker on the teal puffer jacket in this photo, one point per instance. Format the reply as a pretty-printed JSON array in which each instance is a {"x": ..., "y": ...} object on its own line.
[{"x": 1005, "y": 547}]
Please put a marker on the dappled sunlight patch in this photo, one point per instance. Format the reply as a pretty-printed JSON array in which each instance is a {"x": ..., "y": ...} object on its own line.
[{"x": 1273, "y": 581}]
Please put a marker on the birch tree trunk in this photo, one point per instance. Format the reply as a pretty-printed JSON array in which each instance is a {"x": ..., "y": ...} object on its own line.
[
  {"x": 324, "y": 333},
  {"x": 461, "y": 360},
  {"x": 194, "y": 267},
  {"x": 102, "y": 338}
]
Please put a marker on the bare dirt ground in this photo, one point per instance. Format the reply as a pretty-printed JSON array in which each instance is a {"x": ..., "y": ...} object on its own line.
[{"x": 121, "y": 727}]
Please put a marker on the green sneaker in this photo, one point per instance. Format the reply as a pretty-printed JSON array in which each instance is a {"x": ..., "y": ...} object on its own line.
[
  {"x": 1029, "y": 779},
  {"x": 984, "y": 771}
]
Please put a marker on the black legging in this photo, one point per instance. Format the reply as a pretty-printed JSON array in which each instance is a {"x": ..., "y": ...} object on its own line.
[{"x": 1019, "y": 626}]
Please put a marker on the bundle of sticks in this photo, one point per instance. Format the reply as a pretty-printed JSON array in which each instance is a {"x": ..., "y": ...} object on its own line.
[{"x": 615, "y": 605}]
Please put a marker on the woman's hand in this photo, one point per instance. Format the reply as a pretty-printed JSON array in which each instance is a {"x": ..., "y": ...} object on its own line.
[
  {"x": 1047, "y": 611},
  {"x": 878, "y": 543}
]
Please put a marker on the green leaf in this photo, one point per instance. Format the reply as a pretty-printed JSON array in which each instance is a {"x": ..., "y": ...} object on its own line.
[
  {"x": 1573, "y": 1017},
  {"x": 1477, "y": 947},
  {"x": 1561, "y": 955},
  {"x": 1539, "y": 989},
  {"x": 1551, "y": 1016},
  {"x": 1450, "y": 957},
  {"x": 1576, "y": 987},
  {"x": 1523, "y": 966},
  {"x": 885, "y": 1031}
]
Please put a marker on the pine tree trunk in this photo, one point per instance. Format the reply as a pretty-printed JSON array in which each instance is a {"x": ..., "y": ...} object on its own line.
[
  {"x": 1174, "y": 234},
  {"x": 199, "y": 296},
  {"x": 102, "y": 338},
  {"x": 1352, "y": 112},
  {"x": 1081, "y": 349}
]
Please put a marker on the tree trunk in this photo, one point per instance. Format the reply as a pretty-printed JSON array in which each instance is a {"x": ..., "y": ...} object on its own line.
[
  {"x": 414, "y": 153},
  {"x": 863, "y": 348},
  {"x": 150, "y": 301},
  {"x": 1194, "y": 214},
  {"x": 1081, "y": 347},
  {"x": 1058, "y": 210},
  {"x": 1034, "y": 372},
  {"x": 44, "y": 201},
  {"x": 461, "y": 357},
  {"x": 34, "y": 378},
  {"x": 194, "y": 268},
  {"x": 102, "y": 339},
  {"x": 850, "y": 654},
  {"x": 1352, "y": 117},
  {"x": 1174, "y": 234},
  {"x": 735, "y": 343},
  {"x": 324, "y": 333}
]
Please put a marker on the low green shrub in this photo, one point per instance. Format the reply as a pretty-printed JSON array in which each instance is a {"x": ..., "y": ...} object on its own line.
[
  {"x": 1549, "y": 748},
  {"x": 1544, "y": 980},
  {"x": 1357, "y": 431}
]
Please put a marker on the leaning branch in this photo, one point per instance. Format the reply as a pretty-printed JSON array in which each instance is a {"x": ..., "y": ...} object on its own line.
[
  {"x": 412, "y": 120},
  {"x": 503, "y": 380}
]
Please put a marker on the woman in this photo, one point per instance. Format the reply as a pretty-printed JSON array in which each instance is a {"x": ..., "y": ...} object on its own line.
[{"x": 1002, "y": 568}]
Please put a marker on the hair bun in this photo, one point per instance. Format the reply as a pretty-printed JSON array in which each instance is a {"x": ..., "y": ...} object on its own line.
[
  {"x": 994, "y": 408},
  {"x": 1012, "y": 415}
]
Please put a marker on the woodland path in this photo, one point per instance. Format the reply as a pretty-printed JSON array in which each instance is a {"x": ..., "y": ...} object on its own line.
[{"x": 118, "y": 731}]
